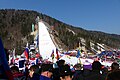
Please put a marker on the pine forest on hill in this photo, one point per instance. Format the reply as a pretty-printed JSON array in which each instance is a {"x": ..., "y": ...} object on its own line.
[{"x": 15, "y": 29}]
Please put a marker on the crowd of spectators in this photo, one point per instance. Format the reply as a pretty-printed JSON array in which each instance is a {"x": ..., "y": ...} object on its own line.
[{"x": 62, "y": 71}]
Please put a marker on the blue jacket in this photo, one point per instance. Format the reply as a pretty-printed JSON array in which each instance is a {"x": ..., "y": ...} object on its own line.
[{"x": 44, "y": 78}]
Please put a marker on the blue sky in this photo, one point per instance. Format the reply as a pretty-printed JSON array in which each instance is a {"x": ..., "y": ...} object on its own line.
[{"x": 99, "y": 15}]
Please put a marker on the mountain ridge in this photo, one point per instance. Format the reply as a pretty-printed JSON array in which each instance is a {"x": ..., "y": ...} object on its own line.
[{"x": 15, "y": 29}]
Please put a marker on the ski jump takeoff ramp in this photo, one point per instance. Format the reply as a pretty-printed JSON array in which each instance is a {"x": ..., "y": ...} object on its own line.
[{"x": 46, "y": 45}]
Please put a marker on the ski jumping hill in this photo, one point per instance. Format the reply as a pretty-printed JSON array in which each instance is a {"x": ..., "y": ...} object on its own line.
[{"x": 46, "y": 45}]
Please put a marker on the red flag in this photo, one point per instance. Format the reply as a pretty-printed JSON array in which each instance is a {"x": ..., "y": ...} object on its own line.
[{"x": 26, "y": 53}]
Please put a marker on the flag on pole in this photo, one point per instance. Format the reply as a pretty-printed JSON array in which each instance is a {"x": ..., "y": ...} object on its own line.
[
  {"x": 57, "y": 57},
  {"x": 52, "y": 55},
  {"x": 78, "y": 54},
  {"x": 4, "y": 62},
  {"x": 26, "y": 53}
]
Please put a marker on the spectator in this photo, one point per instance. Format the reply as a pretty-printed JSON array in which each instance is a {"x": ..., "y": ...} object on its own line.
[
  {"x": 46, "y": 72},
  {"x": 104, "y": 73},
  {"x": 16, "y": 73},
  {"x": 77, "y": 67},
  {"x": 115, "y": 75},
  {"x": 65, "y": 72},
  {"x": 60, "y": 63},
  {"x": 56, "y": 75},
  {"x": 114, "y": 66},
  {"x": 78, "y": 72},
  {"x": 26, "y": 72},
  {"x": 95, "y": 72},
  {"x": 34, "y": 72}
]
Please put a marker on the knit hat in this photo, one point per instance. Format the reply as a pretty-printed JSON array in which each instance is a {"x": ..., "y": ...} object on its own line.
[{"x": 47, "y": 67}]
